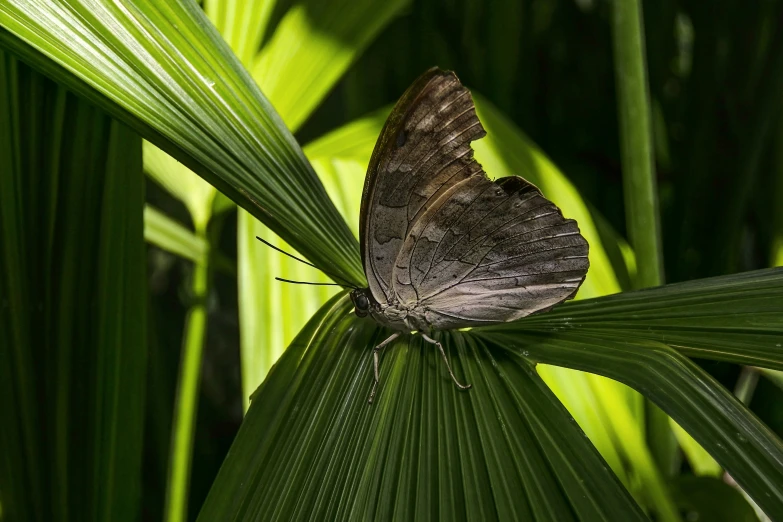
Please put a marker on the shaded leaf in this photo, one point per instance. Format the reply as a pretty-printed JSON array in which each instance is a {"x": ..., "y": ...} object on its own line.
[
  {"x": 164, "y": 232},
  {"x": 709, "y": 498},
  {"x": 641, "y": 338},
  {"x": 72, "y": 306}
]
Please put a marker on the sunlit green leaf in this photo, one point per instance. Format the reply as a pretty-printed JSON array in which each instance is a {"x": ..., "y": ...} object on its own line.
[
  {"x": 311, "y": 48},
  {"x": 700, "y": 461},
  {"x": 164, "y": 232},
  {"x": 242, "y": 23},
  {"x": 161, "y": 67},
  {"x": 181, "y": 182},
  {"x": 354, "y": 140}
]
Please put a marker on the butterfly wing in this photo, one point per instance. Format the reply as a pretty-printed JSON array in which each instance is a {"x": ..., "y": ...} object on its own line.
[
  {"x": 423, "y": 150},
  {"x": 489, "y": 252}
]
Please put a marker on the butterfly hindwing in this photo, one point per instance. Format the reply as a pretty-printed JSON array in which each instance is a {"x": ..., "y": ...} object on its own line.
[
  {"x": 423, "y": 149},
  {"x": 489, "y": 252}
]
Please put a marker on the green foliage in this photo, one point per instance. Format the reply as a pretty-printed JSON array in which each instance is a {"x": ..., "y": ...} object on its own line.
[
  {"x": 422, "y": 451},
  {"x": 543, "y": 74},
  {"x": 72, "y": 294},
  {"x": 210, "y": 114}
]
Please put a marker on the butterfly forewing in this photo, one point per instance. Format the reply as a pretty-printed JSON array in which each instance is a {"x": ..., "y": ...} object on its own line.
[
  {"x": 439, "y": 238},
  {"x": 424, "y": 148}
]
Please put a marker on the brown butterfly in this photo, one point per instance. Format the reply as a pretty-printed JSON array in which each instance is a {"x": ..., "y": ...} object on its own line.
[{"x": 443, "y": 246}]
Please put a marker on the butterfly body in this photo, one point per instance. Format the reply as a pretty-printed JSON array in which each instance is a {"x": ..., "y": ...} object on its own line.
[
  {"x": 443, "y": 246},
  {"x": 401, "y": 316}
]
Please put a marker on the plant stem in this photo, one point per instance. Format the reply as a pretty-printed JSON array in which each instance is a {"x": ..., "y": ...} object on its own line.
[
  {"x": 641, "y": 198},
  {"x": 776, "y": 254},
  {"x": 183, "y": 427}
]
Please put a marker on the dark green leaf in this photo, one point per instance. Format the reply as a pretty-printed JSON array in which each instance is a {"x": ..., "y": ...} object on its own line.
[
  {"x": 711, "y": 499},
  {"x": 72, "y": 306},
  {"x": 311, "y": 446},
  {"x": 737, "y": 318},
  {"x": 641, "y": 338}
]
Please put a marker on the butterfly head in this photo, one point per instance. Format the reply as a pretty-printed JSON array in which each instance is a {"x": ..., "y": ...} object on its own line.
[{"x": 361, "y": 301}]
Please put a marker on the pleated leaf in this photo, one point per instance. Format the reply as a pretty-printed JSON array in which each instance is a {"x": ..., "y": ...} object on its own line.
[
  {"x": 309, "y": 51},
  {"x": 312, "y": 448},
  {"x": 72, "y": 306},
  {"x": 162, "y": 68},
  {"x": 312, "y": 48},
  {"x": 644, "y": 339},
  {"x": 597, "y": 403}
]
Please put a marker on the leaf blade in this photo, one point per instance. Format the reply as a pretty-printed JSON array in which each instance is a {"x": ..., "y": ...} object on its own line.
[
  {"x": 310, "y": 425},
  {"x": 162, "y": 68}
]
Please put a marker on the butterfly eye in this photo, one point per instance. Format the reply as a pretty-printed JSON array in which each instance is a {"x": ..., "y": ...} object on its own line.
[{"x": 362, "y": 303}]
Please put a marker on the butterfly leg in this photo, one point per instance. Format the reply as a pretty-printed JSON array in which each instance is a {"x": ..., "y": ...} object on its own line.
[
  {"x": 445, "y": 359},
  {"x": 376, "y": 362}
]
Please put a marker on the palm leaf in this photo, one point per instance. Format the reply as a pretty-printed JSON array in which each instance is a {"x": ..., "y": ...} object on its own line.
[
  {"x": 310, "y": 50},
  {"x": 599, "y": 403},
  {"x": 505, "y": 449},
  {"x": 73, "y": 314},
  {"x": 311, "y": 447},
  {"x": 162, "y": 68},
  {"x": 644, "y": 339}
]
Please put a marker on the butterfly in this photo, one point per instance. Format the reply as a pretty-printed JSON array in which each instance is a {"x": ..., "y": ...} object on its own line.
[{"x": 444, "y": 247}]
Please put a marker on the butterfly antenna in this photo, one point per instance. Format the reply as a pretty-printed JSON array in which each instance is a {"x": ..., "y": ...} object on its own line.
[
  {"x": 270, "y": 245},
  {"x": 336, "y": 278},
  {"x": 306, "y": 282}
]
